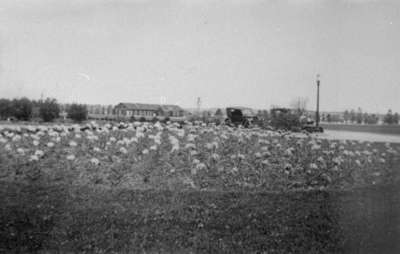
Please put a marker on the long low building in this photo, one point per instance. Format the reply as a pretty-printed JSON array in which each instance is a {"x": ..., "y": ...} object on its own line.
[{"x": 148, "y": 111}]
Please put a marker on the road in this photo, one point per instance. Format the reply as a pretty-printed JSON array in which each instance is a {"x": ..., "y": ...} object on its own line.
[{"x": 361, "y": 136}]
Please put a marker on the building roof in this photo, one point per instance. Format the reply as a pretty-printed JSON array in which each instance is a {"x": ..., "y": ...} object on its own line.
[
  {"x": 171, "y": 108},
  {"x": 152, "y": 107}
]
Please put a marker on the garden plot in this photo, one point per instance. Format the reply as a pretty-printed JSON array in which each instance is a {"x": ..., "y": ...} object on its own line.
[
  {"x": 144, "y": 155},
  {"x": 163, "y": 188}
]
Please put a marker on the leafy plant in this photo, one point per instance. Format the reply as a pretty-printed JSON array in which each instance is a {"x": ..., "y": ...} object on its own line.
[
  {"x": 49, "y": 109},
  {"x": 77, "y": 112}
]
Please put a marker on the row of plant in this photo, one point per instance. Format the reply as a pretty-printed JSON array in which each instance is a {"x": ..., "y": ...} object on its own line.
[{"x": 146, "y": 155}]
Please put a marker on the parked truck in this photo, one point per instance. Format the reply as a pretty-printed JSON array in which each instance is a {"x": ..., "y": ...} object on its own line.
[
  {"x": 241, "y": 116},
  {"x": 288, "y": 119}
]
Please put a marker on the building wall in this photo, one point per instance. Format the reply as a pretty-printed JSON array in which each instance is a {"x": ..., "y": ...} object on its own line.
[
  {"x": 172, "y": 113},
  {"x": 121, "y": 111}
]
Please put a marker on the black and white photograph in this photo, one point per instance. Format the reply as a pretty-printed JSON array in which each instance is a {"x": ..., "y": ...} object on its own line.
[{"x": 200, "y": 126}]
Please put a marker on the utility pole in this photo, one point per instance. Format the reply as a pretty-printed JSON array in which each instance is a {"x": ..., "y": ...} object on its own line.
[{"x": 317, "y": 112}]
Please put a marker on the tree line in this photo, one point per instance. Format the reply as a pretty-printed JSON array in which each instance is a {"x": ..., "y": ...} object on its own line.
[
  {"x": 359, "y": 117},
  {"x": 46, "y": 110}
]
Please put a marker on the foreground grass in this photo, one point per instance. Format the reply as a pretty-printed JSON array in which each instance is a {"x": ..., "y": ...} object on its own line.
[{"x": 64, "y": 218}]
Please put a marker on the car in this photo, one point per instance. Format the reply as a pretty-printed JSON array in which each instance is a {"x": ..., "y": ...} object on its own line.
[{"x": 240, "y": 116}]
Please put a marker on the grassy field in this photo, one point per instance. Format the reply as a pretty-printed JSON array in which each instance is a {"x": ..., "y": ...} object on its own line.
[
  {"x": 152, "y": 188},
  {"x": 65, "y": 219},
  {"x": 373, "y": 128}
]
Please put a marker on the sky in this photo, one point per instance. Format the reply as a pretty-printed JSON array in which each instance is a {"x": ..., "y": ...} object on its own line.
[{"x": 227, "y": 52}]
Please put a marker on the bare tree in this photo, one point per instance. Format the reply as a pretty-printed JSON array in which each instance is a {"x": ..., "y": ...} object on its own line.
[{"x": 299, "y": 104}]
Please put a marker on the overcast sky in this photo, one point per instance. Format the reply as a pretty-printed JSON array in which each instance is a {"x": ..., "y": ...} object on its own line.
[{"x": 237, "y": 52}]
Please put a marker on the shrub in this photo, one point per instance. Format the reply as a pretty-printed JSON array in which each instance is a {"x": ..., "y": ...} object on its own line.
[
  {"x": 194, "y": 118},
  {"x": 142, "y": 119},
  {"x": 5, "y": 108},
  {"x": 154, "y": 119},
  {"x": 49, "y": 109},
  {"x": 77, "y": 112},
  {"x": 22, "y": 109},
  {"x": 217, "y": 121},
  {"x": 166, "y": 120}
]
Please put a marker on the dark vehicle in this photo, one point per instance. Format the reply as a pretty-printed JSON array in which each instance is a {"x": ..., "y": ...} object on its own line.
[
  {"x": 309, "y": 126},
  {"x": 287, "y": 119},
  {"x": 240, "y": 116},
  {"x": 284, "y": 119}
]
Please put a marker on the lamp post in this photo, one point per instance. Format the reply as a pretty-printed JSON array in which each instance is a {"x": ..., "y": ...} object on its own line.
[{"x": 317, "y": 112}]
